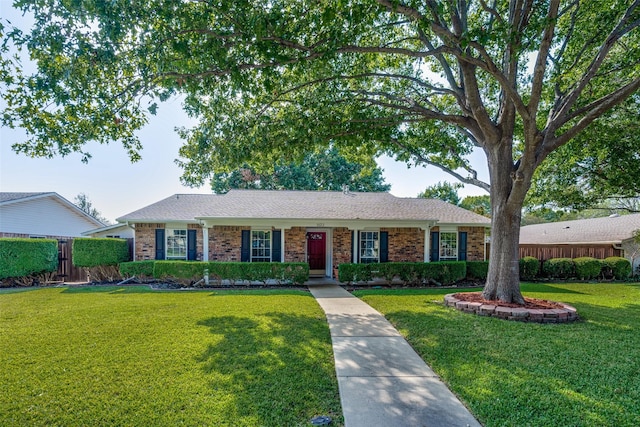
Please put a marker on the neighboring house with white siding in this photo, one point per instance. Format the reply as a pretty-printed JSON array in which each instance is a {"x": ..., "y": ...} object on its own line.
[
  {"x": 42, "y": 215},
  {"x": 321, "y": 228},
  {"x": 118, "y": 231}
]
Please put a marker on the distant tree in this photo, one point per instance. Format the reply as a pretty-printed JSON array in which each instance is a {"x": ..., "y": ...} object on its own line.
[
  {"x": 325, "y": 170},
  {"x": 83, "y": 202},
  {"x": 478, "y": 204},
  {"x": 449, "y": 193},
  {"x": 443, "y": 191}
]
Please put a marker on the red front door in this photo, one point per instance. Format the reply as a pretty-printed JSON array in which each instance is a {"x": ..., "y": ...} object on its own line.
[{"x": 317, "y": 251}]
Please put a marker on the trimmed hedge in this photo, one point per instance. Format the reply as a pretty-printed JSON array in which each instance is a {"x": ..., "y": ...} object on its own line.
[
  {"x": 142, "y": 269},
  {"x": 619, "y": 267},
  {"x": 560, "y": 268},
  {"x": 414, "y": 273},
  {"x": 23, "y": 257},
  {"x": 189, "y": 272},
  {"x": 477, "y": 270},
  {"x": 529, "y": 268},
  {"x": 587, "y": 268},
  {"x": 94, "y": 252}
]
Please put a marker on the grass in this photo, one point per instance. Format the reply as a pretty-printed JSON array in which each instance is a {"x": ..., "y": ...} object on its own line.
[
  {"x": 131, "y": 356},
  {"x": 515, "y": 374}
]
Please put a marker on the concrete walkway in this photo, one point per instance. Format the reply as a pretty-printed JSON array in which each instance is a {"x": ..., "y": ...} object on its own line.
[{"x": 382, "y": 380}]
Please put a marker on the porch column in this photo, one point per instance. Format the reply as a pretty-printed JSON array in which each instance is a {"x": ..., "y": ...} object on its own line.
[
  {"x": 427, "y": 245},
  {"x": 205, "y": 243},
  {"x": 282, "y": 245},
  {"x": 356, "y": 240}
]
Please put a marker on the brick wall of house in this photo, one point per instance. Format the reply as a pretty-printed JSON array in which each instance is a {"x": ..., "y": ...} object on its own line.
[
  {"x": 146, "y": 241},
  {"x": 295, "y": 244},
  {"x": 405, "y": 244},
  {"x": 225, "y": 243},
  {"x": 475, "y": 243},
  {"x": 341, "y": 246}
]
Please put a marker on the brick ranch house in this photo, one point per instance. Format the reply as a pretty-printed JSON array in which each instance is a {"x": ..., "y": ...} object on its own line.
[{"x": 322, "y": 228}]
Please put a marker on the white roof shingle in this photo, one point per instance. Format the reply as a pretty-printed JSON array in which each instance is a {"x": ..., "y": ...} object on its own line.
[{"x": 328, "y": 205}]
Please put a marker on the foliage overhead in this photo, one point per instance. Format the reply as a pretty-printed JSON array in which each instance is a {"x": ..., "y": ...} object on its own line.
[
  {"x": 326, "y": 170},
  {"x": 423, "y": 81},
  {"x": 602, "y": 164}
]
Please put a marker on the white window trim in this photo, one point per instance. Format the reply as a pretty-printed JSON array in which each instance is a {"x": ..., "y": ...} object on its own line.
[
  {"x": 168, "y": 232},
  {"x": 360, "y": 248},
  {"x": 455, "y": 233},
  {"x": 261, "y": 258}
]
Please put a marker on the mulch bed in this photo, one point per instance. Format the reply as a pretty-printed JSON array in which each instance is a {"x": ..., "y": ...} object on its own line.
[{"x": 531, "y": 303}]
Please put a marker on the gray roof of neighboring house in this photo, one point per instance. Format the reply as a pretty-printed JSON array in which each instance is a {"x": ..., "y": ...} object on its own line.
[
  {"x": 612, "y": 229},
  {"x": 8, "y": 197},
  {"x": 335, "y": 205}
]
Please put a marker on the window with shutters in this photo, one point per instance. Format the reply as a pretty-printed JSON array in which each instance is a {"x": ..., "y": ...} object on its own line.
[
  {"x": 369, "y": 247},
  {"x": 176, "y": 244},
  {"x": 260, "y": 246},
  {"x": 448, "y": 246}
]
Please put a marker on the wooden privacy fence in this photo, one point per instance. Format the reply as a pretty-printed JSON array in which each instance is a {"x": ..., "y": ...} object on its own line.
[
  {"x": 545, "y": 252},
  {"x": 67, "y": 272}
]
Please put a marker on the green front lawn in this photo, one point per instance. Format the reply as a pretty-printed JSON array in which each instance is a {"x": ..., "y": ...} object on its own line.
[
  {"x": 515, "y": 374},
  {"x": 128, "y": 356}
]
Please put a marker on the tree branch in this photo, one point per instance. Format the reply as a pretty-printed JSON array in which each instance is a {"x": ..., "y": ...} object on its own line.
[{"x": 420, "y": 159}]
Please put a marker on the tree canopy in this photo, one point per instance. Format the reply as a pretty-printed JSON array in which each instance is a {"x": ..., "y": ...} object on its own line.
[
  {"x": 423, "y": 81},
  {"x": 326, "y": 170}
]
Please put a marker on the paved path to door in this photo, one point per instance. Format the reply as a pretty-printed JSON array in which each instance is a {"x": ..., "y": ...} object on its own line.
[{"x": 382, "y": 380}]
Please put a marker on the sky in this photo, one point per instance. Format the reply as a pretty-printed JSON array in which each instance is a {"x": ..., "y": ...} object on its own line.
[{"x": 115, "y": 186}]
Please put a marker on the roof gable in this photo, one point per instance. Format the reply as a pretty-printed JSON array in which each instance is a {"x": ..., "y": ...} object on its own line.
[{"x": 43, "y": 214}]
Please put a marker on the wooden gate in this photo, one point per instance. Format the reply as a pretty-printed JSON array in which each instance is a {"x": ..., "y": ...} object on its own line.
[{"x": 67, "y": 272}]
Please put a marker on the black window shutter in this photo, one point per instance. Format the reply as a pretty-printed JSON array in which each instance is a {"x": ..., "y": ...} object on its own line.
[
  {"x": 462, "y": 246},
  {"x": 384, "y": 246},
  {"x": 353, "y": 242},
  {"x": 245, "y": 250},
  {"x": 435, "y": 246},
  {"x": 276, "y": 246},
  {"x": 159, "y": 243},
  {"x": 192, "y": 251}
]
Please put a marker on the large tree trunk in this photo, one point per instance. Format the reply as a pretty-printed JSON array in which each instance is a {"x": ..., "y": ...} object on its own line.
[{"x": 507, "y": 197}]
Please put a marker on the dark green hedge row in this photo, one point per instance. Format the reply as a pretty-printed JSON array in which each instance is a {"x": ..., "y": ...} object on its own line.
[
  {"x": 94, "y": 252},
  {"x": 189, "y": 272},
  {"x": 410, "y": 273},
  {"x": 584, "y": 268},
  {"x": 24, "y": 257},
  {"x": 477, "y": 270}
]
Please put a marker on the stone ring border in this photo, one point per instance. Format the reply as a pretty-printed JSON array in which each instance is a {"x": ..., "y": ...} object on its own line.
[{"x": 549, "y": 315}]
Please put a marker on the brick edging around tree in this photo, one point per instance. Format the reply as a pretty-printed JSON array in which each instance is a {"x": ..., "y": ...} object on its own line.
[{"x": 554, "y": 315}]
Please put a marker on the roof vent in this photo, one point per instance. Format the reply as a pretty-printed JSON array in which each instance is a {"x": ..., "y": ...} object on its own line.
[{"x": 345, "y": 189}]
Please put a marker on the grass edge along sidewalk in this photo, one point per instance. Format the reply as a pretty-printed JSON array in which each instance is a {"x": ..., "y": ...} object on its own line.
[
  {"x": 131, "y": 356},
  {"x": 585, "y": 373}
]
